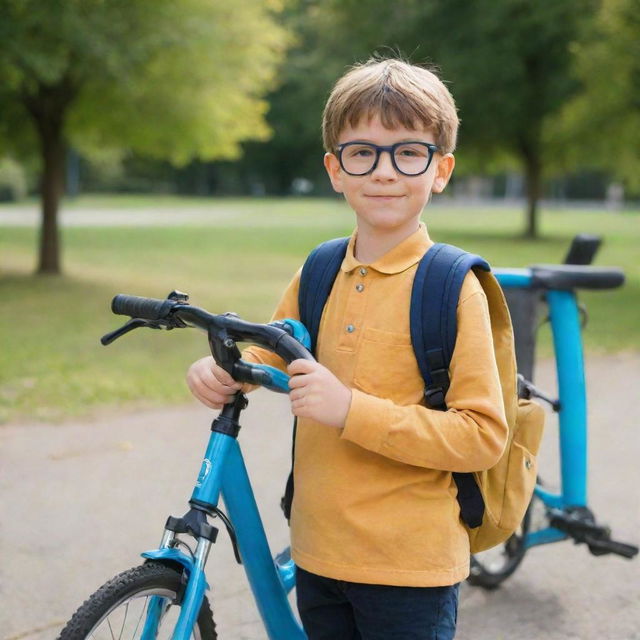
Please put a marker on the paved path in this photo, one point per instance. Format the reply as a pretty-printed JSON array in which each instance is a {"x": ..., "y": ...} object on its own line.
[
  {"x": 80, "y": 500},
  {"x": 28, "y": 215}
]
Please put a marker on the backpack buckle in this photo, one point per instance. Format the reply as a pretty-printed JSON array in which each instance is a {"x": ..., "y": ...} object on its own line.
[{"x": 435, "y": 397}]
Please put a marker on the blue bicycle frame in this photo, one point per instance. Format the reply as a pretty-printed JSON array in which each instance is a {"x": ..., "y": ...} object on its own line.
[
  {"x": 224, "y": 473},
  {"x": 567, "y": 343}
]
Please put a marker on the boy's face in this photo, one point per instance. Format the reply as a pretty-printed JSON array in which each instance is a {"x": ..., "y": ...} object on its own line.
[{"x": 386, "y": 200}]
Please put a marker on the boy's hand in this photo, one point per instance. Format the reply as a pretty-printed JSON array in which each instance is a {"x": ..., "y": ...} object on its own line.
[
  {"x": 211, "y": 384},
  {"x": 317, "y": 394}
]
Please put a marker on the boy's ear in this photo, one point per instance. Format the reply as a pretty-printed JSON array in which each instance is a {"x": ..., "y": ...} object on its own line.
[
  {"x": 444, "y": 169},
  {"x": 332, "y": 165}
]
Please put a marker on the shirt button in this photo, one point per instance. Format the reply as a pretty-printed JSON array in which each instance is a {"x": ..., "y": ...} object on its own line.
[
  {"x": 363, "y": 271},
  {"x": 350, "y": 328},
  {"x": 360, "y": 287}
]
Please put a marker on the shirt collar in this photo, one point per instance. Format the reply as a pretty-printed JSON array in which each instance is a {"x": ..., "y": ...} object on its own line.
[{"x": 396, "y": 260}]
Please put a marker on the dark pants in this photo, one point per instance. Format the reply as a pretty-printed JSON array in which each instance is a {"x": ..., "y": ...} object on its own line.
[{"x": 337, "y": 610}]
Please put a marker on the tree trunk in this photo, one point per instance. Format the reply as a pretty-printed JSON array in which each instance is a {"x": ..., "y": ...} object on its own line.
[
  {"x": 533, "y": 179},
  {"x": 53, "y": 156},
  {"x": 48, "y": 105}
]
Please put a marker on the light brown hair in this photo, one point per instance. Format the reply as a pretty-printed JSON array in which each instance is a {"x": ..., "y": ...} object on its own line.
[{"x": 399, "y": 93}]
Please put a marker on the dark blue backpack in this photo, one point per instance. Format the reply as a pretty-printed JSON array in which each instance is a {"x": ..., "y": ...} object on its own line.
[{"x": 433, "y": 332}]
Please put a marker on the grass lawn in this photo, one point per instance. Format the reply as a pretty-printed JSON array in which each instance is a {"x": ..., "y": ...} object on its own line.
[{"x": 236, "y": 256}]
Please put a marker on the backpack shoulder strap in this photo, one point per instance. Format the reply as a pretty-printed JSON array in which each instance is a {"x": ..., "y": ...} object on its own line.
[
  {"x": 433, "y": 323},
  {"x": 316, "y": 281},
  {"x": 318, "y": 275}
]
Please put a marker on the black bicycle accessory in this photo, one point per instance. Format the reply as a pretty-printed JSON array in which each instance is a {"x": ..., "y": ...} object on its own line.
[
  {"x": 583, "y": 249},
  {"x": 224, "y": 332},
  {"x": 580, "y": 524},
  {"x": 145, "y": 312},
  {"x": 144, "y": 308},
  {"x": 194, "y": 523},
  {"x": 528, "y": 390}
]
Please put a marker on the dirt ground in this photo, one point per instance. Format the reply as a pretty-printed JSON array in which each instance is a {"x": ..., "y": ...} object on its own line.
[{"x": 82, "y": 499}]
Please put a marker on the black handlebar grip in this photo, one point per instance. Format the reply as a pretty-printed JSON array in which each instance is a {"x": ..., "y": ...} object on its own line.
[{"x": 138, "y": 307}]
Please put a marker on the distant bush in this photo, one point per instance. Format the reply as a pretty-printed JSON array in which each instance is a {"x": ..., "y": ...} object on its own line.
[{"x": 13, "y": 180}]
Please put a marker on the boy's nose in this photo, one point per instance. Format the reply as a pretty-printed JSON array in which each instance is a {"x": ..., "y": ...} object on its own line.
[{"x": 384, "y": 169}]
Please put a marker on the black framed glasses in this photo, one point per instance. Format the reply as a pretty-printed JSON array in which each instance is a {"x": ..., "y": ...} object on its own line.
[{"x": 408, "y": 158}]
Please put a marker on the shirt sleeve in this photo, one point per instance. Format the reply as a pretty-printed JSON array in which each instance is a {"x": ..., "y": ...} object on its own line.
[
  {"x": 287, "y": 308},
  {"x": 470, "y": 435}
]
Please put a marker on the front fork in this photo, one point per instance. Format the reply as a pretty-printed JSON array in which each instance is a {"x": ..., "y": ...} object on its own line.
[
  {"x": 194, "y": 592},
  {"x": 196, "y": 584}
]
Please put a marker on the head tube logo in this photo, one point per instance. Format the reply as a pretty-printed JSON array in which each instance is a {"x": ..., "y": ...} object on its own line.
[{"x": 204, "y": 472}]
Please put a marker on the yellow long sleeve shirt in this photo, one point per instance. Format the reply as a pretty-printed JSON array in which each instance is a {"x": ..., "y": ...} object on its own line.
[{"x": 375, "y": 502}]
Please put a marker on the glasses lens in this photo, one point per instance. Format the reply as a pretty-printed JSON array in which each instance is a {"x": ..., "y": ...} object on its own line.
[
  {"x": 358, "y": 158},
  {"x": 412, "y": 158}
]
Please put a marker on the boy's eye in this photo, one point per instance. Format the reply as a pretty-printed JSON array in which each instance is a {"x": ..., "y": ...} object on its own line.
[
  {"x": 357, "y": 151},
  {"x": 411, "y": 151}
]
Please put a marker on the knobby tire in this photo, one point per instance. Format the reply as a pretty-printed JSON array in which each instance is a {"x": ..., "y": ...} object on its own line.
[{"x": 120, "y": 591}]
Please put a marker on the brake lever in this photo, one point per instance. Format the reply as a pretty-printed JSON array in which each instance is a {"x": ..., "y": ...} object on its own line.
[{"x": 134, "y": 323}]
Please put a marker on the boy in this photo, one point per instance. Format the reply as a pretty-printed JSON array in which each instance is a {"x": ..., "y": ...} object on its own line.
[{"x": 375, "y": 524}]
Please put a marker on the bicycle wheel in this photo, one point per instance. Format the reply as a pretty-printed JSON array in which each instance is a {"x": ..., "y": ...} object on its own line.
[
  {"x": 118, "y": 609},
  {"x": 492, "y": 567}
]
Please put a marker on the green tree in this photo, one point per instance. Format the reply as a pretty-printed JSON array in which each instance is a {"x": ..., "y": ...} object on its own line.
[
  {"x": 167, "y": 79},
  {"x": 311, "y": 67},
  {"x": 600, "y": 127},
  {"x": 507, "y": 62},
  {"x": 510, "y": 66}
]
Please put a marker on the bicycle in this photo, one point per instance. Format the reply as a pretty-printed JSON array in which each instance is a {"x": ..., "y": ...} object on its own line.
[
  {"x": 165, "y": 597},
  {"x": 564, "y": 515}
]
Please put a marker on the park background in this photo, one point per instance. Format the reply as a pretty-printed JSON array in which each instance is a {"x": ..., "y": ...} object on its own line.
[
  {"x": 152, "y": 145},
  {"x": 154, "y": 108}
]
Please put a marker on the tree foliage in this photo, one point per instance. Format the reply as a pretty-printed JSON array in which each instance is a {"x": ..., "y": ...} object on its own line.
[
  {"x": 508, "y": 65},
  {"x": 168, "y": 79},
  {"x": 600, "y": 127}
]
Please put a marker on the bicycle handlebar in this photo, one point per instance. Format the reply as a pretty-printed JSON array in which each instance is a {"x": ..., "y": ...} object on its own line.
[
  {"x": 145, "y": 308},
  {"x": 284, "y": 338}
]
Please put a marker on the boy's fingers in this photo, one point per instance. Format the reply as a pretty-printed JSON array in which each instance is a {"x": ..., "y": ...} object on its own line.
[
  {"x": 206, "y": 401},
  {"x": 295, "y": 395},
  {"x": 210, "y": 384},
  {"x": 207, "y": 385},
  {"x": 214, "y": 399},
  {"x": 301, "y": 366},
  {"x": 297, "y": 381},
  {"x": 215, "y": 378},
  {"x": 201, "y": 391},
  {"x": 222, "y": 376}
]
